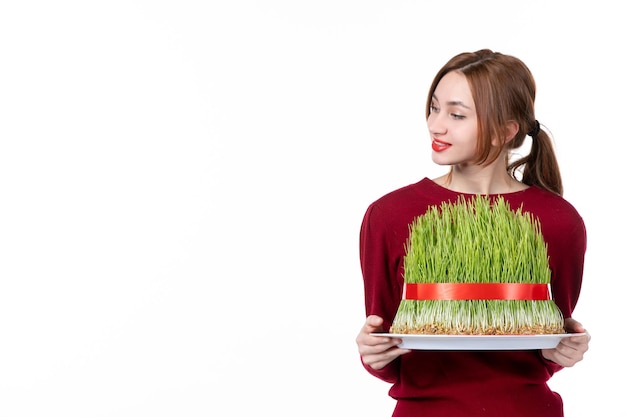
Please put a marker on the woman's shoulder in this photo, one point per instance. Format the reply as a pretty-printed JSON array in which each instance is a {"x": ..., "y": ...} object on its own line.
[
  {"x": 550, "y": 207},
  {"x": 422, "y": 189},
  {"x": 403, "y": 204},
  {"x": 538, "y": 195}
]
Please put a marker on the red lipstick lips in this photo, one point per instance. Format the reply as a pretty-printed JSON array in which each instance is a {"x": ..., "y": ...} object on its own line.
[{"x": 439, "y": 146}]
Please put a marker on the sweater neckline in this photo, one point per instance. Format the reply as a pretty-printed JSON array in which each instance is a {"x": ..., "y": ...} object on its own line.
[{"x": 457, "y": 193}]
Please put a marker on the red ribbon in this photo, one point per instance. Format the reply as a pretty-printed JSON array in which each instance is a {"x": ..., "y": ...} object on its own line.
[{"x": 476, "y": 291}]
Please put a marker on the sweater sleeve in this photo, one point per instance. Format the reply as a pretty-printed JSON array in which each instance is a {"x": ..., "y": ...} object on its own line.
[
  {"x": 567, "y": 258},
  {"x": 381, "y": 288}
]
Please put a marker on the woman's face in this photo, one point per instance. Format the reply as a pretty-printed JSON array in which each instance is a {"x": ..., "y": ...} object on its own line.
[{"x": 452, "y": 122}]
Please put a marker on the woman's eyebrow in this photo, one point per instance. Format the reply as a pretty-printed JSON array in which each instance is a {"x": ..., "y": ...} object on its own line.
[{"x": 454, "y": 103}]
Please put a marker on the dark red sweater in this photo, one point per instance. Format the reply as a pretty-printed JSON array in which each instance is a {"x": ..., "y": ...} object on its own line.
[{"x": 467, "y": 383}]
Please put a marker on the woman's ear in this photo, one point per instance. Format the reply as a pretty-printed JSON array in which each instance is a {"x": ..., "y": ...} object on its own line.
[{"x": 512, "y": 127}]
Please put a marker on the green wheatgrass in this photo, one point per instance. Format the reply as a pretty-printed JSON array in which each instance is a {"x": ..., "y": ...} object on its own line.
[{"x": 482, "y": 241}]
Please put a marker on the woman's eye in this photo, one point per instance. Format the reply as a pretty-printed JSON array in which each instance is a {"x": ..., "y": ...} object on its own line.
[
  {"x": 433, "y": 108},
  {"x": 457, "y": 116}
]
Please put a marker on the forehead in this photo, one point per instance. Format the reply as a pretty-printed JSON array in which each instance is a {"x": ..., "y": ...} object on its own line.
[{"x": 453, "y": 88}]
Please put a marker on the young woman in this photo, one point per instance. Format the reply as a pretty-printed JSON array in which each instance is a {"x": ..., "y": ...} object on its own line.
[{"x": 480, "y": 107}]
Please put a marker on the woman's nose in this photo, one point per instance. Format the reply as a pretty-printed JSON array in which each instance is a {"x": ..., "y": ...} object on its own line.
[{"x": 435, "y": 124}]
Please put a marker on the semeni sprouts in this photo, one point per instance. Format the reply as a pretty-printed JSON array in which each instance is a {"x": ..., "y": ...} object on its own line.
[{"x": 476, "y": 240}]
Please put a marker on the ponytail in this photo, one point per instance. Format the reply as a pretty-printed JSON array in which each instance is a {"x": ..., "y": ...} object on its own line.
[{"x": 540, "y": 167}]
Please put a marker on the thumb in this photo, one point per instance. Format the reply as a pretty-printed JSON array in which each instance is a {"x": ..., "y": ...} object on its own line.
[
  {"x": 573, "y": 326},
  {"x": 374, "y": 323}
]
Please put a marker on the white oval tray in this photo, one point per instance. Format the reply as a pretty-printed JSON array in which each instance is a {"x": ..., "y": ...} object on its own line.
[{"x": 478, "y": 342}]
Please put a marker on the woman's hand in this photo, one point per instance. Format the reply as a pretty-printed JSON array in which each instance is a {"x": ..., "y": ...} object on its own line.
[
  {"x": 570, "y": 350},
  {"x": 377, "y": 351}
]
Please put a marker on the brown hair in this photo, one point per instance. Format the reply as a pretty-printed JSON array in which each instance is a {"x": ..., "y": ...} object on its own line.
[{"x": 503, "y": 89}]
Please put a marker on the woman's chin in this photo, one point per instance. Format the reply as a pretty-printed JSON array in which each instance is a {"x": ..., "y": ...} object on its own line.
[{"x": 439, "y": 160}]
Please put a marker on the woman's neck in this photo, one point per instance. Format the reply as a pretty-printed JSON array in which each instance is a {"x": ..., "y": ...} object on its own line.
[{"x": 480, "y": 180}]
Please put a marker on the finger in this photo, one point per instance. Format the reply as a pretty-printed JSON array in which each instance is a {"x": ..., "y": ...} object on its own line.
[
  {"x": 376, "y": 344},
  {"x": 378, "y": 361},
  {"x": 578, "y": 342},
  {"x": 568, "y": 353}
]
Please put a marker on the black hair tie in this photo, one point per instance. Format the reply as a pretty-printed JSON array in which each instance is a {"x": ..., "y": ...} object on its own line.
[{"x": 535, "y": 131}]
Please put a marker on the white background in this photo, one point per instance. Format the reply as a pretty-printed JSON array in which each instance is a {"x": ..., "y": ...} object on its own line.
[{"x": 182, "y": 185}]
